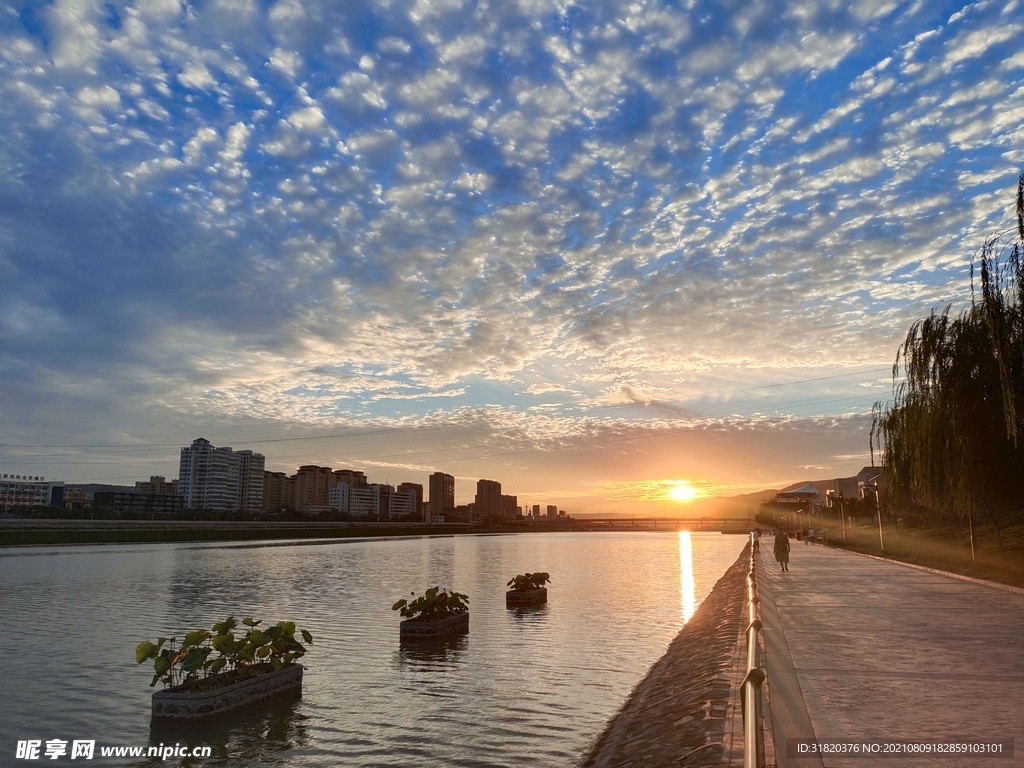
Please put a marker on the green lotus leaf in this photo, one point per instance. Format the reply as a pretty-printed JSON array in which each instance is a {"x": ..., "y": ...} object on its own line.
[
  {"x": 194, "y": 660},
  {"x": 194, "y": 638},
  {"x": 307, "y": 636},
  {"x": 288, "y": 627},
  {"x": 144, "y": 650},
  {"x": 225, "y": 626}
]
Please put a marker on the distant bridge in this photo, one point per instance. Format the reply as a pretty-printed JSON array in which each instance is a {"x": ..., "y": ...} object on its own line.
[{"x": 724, "y": 524}]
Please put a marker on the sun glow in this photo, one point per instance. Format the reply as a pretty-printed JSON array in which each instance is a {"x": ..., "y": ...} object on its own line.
[{"x": 683, "y": 491}]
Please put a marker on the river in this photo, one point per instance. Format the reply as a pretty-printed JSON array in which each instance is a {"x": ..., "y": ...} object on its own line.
[{"x": 524, "y": 688}]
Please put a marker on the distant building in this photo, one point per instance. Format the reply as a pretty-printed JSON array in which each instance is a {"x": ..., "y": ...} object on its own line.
[
  {"x": 442, "y": 494},
  {"x": 847, "y": 487},
  {"x": 373, "y": 499},
  {"x": 128, "y": 504},
  {"x": 488, "y": 499},
  {"x": 509, "y": 506},
  {"x": 278, "y": 491},
  {"x": 157, "y": 484},
  {"x": 416, "y": 489},
  {"x": 870, "y": 481},
  {"x": 75, "y": 497},
  {"x": 404, "y": 502},
  {"x": 552, "y": 510},
  {"x": 338, "y": 497},
  {"x": 250, "y": 481},
  {"x": 536, "y": 510},
  {"x": 30, "y": 490},
  {"x": 354, "y": 478},
  {"x": 312, "y": 486},
  {"x": 805, "y": 494},
  {"x": 220, "y": 478}
]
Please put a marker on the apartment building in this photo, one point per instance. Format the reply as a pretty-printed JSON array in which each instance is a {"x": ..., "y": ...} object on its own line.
[
  {"x": 416, "y": 489},
  {"x": 278, "y": 491},
  {"x": 488, "y": 499},
  {"x": 442, "y": 493},
  {"x": 220, "y": 478},
  {"x": 372, "y": 499}
]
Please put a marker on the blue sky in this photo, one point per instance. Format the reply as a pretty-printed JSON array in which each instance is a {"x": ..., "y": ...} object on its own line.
[{"x": 586, "y": 249}]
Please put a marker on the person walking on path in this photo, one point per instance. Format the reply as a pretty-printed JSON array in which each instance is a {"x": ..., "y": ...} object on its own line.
[
  {"x": 782, "y": 550},
  {"x": 755, "y": 537}
]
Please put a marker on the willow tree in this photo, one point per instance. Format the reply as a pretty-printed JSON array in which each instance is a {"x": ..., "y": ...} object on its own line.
[{"x": 950, "y": 438}]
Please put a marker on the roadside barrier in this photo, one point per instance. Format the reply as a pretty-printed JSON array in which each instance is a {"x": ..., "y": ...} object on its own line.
[{"x": 750, "y": 690}]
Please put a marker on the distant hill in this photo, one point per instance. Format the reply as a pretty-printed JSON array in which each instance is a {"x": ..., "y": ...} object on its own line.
[
  {"x": 737, "y": 506},
  {"x": 727, "y": 506}
]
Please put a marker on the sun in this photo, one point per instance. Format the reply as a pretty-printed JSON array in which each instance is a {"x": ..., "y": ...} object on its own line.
[{"x": 683, "y": 491}]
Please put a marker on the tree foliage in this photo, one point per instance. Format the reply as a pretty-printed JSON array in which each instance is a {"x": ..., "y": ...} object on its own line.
[{"x": 950, "y": 438}]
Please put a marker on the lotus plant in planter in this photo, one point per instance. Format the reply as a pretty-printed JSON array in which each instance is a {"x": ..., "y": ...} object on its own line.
[
  {"x": 527, "y": 589},
  {"x": 436, "y": 613},
  {"x": 213, "y": 671}
]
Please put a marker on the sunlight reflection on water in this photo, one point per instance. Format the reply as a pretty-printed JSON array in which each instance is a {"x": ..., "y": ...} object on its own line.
[{"x": 688, "y": 584}]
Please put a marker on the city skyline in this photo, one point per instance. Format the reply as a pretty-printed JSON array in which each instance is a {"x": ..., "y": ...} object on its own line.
[{"x": 619, "y": 256}]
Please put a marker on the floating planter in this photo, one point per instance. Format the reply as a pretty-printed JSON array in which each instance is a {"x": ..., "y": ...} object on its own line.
[
  {"x": 185, "y": 705},
  {"x": 257, "y": 666},
  {"x": 527, "y": 589},
  {"x": 436, "y": 613}
]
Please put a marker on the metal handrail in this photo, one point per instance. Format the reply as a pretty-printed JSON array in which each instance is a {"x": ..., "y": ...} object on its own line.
[{"x": 750, "y": 689}]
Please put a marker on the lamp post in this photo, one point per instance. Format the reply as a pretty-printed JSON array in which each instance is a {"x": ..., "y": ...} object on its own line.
[{"x": 842, "y": 516}]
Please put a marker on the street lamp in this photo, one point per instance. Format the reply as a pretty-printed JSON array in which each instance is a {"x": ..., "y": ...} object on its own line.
[{"x": 842, "y": 515}]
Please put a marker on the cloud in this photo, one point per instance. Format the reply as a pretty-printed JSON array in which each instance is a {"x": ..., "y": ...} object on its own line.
[{"x": 206, "y": 206}]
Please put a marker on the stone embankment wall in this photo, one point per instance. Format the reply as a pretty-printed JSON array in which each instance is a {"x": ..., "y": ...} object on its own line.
[{"x": 676, "y": 716}]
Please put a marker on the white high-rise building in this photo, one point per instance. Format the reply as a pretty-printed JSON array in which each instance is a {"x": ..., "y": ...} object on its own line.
[
  {"x": 374, "y": 499},
  {"x": 220, "y": 478},
  {"x": 403, "y": 503},
  {"x": 338, "y": 497}
]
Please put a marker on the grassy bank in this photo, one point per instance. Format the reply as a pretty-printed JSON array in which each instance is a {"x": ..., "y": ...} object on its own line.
[{"x": 936, "y": 547}]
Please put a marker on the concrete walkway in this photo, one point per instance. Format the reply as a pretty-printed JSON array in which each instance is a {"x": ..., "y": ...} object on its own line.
[{"x": 863, "y": 649}]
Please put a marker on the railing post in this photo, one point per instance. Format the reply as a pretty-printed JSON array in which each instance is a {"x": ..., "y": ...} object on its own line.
[{"x": 750, "y": 690}]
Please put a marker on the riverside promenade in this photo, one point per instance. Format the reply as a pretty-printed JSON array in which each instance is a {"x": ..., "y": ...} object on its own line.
[{"x": 864, "y": 649}]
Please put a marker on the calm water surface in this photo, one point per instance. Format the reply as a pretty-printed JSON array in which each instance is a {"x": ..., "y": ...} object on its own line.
[{"x": 530, "y": 687}]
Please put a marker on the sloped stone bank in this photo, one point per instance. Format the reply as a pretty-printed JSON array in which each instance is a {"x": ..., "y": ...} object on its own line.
[{"x": 676, "y": 716}]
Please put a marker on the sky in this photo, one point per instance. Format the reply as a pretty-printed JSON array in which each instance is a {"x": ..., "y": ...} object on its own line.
[{"x": 598, "y": 251}]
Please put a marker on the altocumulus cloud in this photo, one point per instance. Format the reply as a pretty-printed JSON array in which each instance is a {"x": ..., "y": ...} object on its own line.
[{"x": 318, "y": 212}]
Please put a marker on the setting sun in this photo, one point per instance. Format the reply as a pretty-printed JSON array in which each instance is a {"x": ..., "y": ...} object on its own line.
[{"x": 683, "y": 491}]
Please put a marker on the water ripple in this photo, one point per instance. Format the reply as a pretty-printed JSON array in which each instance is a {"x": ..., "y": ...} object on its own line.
[{"x": 526, "y": 687}]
